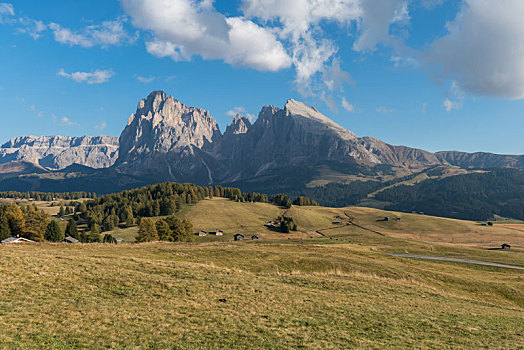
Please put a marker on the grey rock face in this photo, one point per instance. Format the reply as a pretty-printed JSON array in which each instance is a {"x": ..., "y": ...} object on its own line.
[
  {"x": 239, "y": 125},
  {"x": 58, "y": 152},
  {"x": 164, "y": 138},
  {"x": 171, "y": 141}
]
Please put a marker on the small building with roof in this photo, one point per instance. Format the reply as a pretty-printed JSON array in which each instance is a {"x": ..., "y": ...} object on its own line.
[
  {"x": 17, "y": 240},
  {"x": 70, "y": 239}
]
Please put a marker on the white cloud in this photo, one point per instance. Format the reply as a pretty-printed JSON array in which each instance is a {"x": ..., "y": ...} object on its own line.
[
  {"x": 424, "y": 107},
  {"x": 455, "y": 98},
  {"x": 101, "y": 126},
  {"x": 145, "y": 80},
  {"x": 93, "y": 77},
  {"x": 297, "y": 23},
  {"x": 334, "y": 77},
  {"x": 251, "y": 117},
  {"x": 184, "y": 28},
  {"x": 106, "y": 34},
  {"x": 483, "y": 49},
  {"x": 32, "y": 27},
  {"x": 376, "y": 19},
  {"x": 241, "y": 110},
  {"x": 347, "y": 106},
  {"x": 236, "y": 110},
  {"x": 64, "y": 121},
  {"x": 6, "y": 9}
]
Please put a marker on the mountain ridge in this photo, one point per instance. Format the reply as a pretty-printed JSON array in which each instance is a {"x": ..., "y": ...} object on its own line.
[{"x": 165, "y": 140}]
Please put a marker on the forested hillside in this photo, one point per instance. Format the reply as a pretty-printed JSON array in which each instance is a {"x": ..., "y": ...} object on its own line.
[{"x": 477, "y": 196}]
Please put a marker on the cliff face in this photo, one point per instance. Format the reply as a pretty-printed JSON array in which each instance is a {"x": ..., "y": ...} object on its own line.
[
  {"x": 59, "y": 152},
  {"x": 165, "y": 140},
  {"x": 171, "y": 141}
]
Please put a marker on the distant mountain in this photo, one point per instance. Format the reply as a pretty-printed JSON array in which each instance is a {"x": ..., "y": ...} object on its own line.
[
  {"x": 294, "y": 149},
  {"x": 164, "y": 138},
  {"x": 169, "y": 141},
  {"x": 59, "y": 152}
]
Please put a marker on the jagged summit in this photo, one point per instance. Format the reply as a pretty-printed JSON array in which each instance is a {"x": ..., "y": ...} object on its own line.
[
  {"x": 299, "y": 109},
  {"x": 165, "y": 140},
  {"x": 59, "y": 152},
  {"x": 239, "y": 125}
]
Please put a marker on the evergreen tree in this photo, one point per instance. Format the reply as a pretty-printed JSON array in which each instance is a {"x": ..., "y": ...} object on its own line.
[
  {"x": 53, "y": 233},
  {"x": 5, "y": 232},
  {"x": 163, "y": 230},
  {"x": 35, "y": 224},
  {"x": 82, "y": 208},
  {"x": 94, "y": 234},
  {"x": 61, "y": 213},
  {"x": 146, "y": 231},
  {"x": 108, "y": 238},
  {"x": 71, "y": 229},
  {"x": 15, "y": 219}
]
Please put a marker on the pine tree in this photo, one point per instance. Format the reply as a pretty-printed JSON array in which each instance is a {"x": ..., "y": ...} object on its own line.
[
  {"x": 53, "y": 233},
  {"x": 108, "y": 238},
  {"x": 146, "y": 231},
  {"x": 163, "y": 230},
  {"x": 61, "y": 213},
  {"x": 94, "y": 234},
  {"x": 35, "y": 225},
  {"x": 71, "y": 229},
  {"x": 15, "y": 219},
  {"x": 5, "y": 232}
]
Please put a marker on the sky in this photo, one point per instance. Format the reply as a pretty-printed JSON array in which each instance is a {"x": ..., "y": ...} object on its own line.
[{"x": 431, "y": 74}]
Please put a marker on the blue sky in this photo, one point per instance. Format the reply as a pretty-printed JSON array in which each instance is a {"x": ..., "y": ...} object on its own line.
[{"x": 433, "y": 74}]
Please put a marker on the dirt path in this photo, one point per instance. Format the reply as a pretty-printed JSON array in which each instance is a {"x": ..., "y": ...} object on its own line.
[
  {"x": 362, "y": 227},
  {"x": 465, "y": 261}
]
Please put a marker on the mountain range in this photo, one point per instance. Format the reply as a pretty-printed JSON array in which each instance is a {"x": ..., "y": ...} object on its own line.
[{"x": 293, "y": 148}]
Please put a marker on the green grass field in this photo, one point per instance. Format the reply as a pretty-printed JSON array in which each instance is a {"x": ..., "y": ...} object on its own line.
[{"x": 302, "y": 290}]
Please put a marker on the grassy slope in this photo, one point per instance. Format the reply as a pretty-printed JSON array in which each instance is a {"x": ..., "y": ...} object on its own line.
[
  {"x": 339, "y": 291},
  {"x": 247, "y": 218},
  {"x": 278, "y": 294}
]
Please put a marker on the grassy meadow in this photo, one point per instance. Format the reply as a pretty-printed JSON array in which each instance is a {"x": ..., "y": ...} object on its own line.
[{"x": 303, "y": 290}]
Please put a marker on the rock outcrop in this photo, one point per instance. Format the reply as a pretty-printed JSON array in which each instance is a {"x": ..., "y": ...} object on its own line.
[
  {"x": 59, "y": 152},
  {"x": 164, "y": 139},
  {"x": 170, "y": 141}
]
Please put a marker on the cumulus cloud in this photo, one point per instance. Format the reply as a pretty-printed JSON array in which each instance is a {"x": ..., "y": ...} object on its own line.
[
  {"x": 483, "y": 49},
  {"x": 184, "y": 28},
  {"x": 106, "y": 34},
  {"x": 347, "y": 106},
  {"x": 375, "y": 21},
  {"x": 93, "y": 77},
  {"x": 236, "y": 110},
  {"x": 297, "y": 23}
]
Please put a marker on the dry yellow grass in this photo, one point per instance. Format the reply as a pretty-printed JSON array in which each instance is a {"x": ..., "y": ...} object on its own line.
[
  {"x": 247, "y": 218},
  {"x": 253, "y": 295}
]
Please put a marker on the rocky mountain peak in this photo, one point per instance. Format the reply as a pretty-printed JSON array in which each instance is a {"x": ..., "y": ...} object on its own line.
[
  {"x": 239, "y": 125},
  {"x": 59, "y": 152},
  {"x": 164, "y": 131}
]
